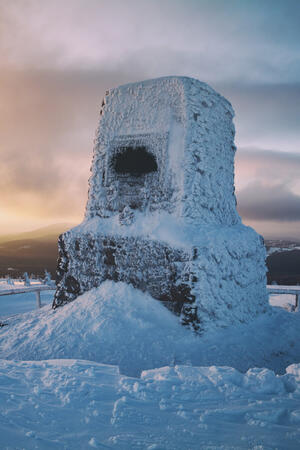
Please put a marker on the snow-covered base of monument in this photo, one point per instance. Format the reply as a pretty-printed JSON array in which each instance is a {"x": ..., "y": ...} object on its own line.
[{"x": 209, "y": 274}]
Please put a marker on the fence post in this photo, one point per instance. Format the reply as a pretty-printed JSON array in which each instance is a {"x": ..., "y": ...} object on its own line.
[
  {"x": 26, "y": 279},
  {"x": 38, "y": 299},
  {"x": 297, "y": 302}
]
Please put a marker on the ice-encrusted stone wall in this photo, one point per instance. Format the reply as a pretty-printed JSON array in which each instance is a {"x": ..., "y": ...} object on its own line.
[
  {"x": 188, "y": 127},
  {"x": 161, "y": 212}
]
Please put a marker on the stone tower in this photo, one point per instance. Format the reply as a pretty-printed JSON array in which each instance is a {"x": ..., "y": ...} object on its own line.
[{"x": 161, "y": 211}]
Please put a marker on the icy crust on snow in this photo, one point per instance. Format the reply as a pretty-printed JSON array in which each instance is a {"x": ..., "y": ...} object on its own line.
[
  {"x": 79, "y": 404},
  {"x": 188, "y": 127},
  {"x": 117, "y": 324},
  {"x": 223, "y": 268}
]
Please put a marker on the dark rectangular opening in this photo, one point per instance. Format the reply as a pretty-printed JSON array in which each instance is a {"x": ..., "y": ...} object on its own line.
[{"x": 135, "y": 161}]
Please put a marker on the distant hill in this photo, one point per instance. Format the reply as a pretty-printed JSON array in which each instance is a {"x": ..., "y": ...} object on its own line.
[
  {"x": 49, "y": 233},
  {"x": 281, "y": 245},
  {"x": 283, "y": 261},
  {"x": 284, "y": 267},
  {"x": 31, "y": 252}
]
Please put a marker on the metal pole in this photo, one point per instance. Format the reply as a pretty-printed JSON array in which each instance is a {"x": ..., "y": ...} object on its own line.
[{"x": 38, "y": 299}]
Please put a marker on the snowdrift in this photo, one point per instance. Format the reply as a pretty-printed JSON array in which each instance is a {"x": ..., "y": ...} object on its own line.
[
  {"x": 119, "y": 325},
  {"x": 113, "y": 324}
]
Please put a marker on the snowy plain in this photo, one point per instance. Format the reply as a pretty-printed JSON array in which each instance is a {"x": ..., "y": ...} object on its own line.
[{"x": 115, "y": 369}]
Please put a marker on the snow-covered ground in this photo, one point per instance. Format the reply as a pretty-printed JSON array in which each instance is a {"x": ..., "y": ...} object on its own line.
[
  {"x": 286, "y": 301},
  {"x": 73, "y": 404},
  {"x": 16, "y": 284},
  {"x": 115, "y": 369},
  {"x": 21, "y": 303},
  {"x": 271, "y": 250}
]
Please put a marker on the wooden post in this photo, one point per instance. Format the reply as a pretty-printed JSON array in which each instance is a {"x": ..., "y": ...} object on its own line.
[{"x": 38, "y": 299}]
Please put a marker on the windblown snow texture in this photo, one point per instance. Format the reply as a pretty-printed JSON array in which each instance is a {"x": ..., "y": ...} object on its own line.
[
  {"x": 161, "y": 213},
  {"x": 75, "y": 404}
]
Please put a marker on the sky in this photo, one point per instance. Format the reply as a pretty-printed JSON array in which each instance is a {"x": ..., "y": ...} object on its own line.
[{"x": 57, "y": 58}]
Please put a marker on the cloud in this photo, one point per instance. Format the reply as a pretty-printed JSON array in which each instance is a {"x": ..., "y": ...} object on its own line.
[
  {"x": 267, "y": 115},
  {"x": 47, "y": 124},
  {"x": 259, "y": 202},
  {"x": 268, "y": 187},
  {"x": 267, "y": 166},
  {"x": 280, "y": 159},
  {"x": 216, "y": 40}
]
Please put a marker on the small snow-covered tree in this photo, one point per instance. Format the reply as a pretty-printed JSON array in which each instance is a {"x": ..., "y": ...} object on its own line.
[
  {"x": 47, "y": 278},
  {"x": 9, "y": 281},
  {"x": 26, "y": 279}
]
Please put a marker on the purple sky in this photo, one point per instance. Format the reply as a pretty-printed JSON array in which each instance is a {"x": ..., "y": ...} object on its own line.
[{"x": 58, "y": 58}]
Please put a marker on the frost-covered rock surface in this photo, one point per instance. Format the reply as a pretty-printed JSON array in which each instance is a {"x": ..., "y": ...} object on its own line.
[
  {"x": 161, "y": 213},
  {"x": 221, "y": 270},
  {"x": 117, "y": 324}
]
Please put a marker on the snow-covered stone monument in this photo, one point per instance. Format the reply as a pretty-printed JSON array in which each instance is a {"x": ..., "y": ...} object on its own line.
[{"x": 161, "y": 213}]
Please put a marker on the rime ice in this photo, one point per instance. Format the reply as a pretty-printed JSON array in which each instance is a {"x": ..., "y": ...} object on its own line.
[{"x": 161, "y": 213}]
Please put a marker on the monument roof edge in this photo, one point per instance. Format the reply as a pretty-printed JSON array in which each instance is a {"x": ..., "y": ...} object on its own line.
[{"x": 185, "y": 80}]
